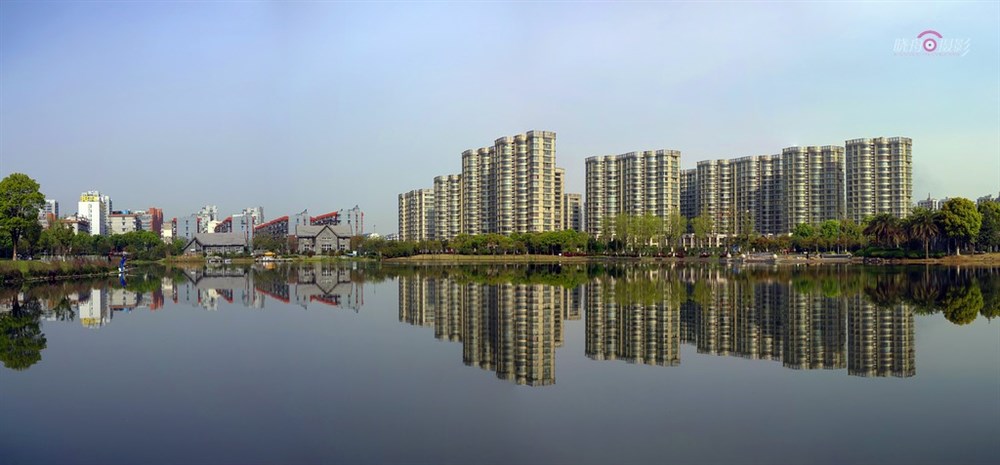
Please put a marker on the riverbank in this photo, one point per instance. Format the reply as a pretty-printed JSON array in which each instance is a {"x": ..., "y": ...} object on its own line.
[
  {"x": 970, "y": 259},
  {"x": 21, "y": 271},
  {"x": 992, "y": 259},
  {"x": 445, "y": 259}
]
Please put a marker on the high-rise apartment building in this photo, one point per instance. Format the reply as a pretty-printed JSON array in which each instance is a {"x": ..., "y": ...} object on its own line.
[
  {"x": 879, "y": 177},
  {"x": 207, "y": 216},
  {"x": 256, "y": 214},
  {"x": 97, "y": 209},
  {"x": 557, "y": 198},
  {"x": 416, "y": 215},
  {"x": 187, "y": 227},
  {"x": 776, "y": 193},
  {"x": 476, "y": 192},
  {"x": 757, "y": 188},
  {"x": 447, "y": 206},
  {"x": 49, "y": 209},
  {"x": 573, "y": 212},
  {"x": 813, "y": 187},
  {"x": 715, "y": 194},
  {"x": 689, "y": 192},
  {"x": 155, "y": 223},
  {"x": 510, "y": 187},
  {"x": 603, "y": 177},
  {"x": 634, "y": 183}
]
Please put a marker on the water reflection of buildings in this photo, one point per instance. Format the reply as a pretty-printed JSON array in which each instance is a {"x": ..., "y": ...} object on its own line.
[
  {"x": 881, "y": 341},
  {"x": 643, "y": 317},
  {"x": 765, "y": 320},
  {"x": 641, "y": 320},
  {"x": 638, "y": 324},
  {"x": 95, "y": 307},
  {"x": 303, "y": 286},
  {"x": 510, "y": 329}
]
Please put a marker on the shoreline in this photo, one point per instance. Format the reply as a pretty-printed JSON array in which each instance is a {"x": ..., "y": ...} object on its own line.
[{"x": 449, "y": 259}]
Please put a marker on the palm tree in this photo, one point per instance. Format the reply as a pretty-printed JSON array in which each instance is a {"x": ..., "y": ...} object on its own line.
[
  {"x": 922, "y": 225},
  {"x": 885, "y": 229}
]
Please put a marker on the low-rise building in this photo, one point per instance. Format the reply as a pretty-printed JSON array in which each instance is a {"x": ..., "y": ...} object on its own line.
[
  {"x": 323, "y": 238},
  {"x": 216, "y": 244},
  {"x": 930, "y": 203},
  {"x": 79, "y": 224},
  {"x": 121, "y": 223}
]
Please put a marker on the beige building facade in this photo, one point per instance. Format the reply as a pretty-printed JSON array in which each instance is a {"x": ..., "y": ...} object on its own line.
[
  {"x": 635, "y": 183},
  {"x": 417, "y": 215},
  {"x": 879, "y": 177},
  {"x": 447, "y": 206}
]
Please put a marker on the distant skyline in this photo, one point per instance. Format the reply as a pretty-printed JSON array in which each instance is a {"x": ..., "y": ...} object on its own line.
[{"x": 329, "y": 105}]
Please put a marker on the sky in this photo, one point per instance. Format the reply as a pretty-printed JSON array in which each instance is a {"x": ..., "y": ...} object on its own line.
[{"x": 328, "y": 105}]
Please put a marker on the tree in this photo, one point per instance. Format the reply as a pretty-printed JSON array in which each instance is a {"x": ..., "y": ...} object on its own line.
[
  {"x": 851, "y": 234},
  {"x": 884, "y": 230},
  {"x": 960, "y": 221},
  {"x": 804, "y": 236},
  {"x": 989, "y": 233},
  {"x": 268, "y": 243},
  {"x": 922, "y": 226},
  {"x": 747, "y": 231},
  {"x": 20, "y": 201},
  {"x": 623, "y": 228},
  {"x": 56, "y": 239},
  {"x": 829, "y": 232},
  {"x": 674, "y": 227},
  {"x": 648, "y": 227},
  {"x": 701, "y": 225},
  {"x": 21, "y": 338},
  {"x": 177, "y": 246}
]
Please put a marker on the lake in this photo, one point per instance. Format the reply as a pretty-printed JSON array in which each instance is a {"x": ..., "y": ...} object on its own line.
[{"x": 317, "y": 363}]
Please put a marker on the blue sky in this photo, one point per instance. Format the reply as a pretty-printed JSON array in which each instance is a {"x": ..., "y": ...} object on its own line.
[{"x": 325, "y": 105}]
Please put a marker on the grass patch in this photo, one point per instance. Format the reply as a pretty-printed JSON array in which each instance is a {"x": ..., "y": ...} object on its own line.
[{"x": 32, "y": 270}]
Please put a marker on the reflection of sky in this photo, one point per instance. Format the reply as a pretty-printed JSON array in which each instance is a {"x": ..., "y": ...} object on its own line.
[{"x": 361, "y": 387}]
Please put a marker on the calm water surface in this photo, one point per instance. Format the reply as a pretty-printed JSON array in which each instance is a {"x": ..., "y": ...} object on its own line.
[{"x": 569, "y": 364}]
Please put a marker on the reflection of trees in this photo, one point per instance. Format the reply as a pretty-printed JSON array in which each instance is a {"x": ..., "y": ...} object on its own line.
[
  {"x": 21, "y": 338},
  {"x": 960, "y": 305},
  {"x": 567, "y": 276},
  {"x": 959, "y": 293},
  {"x": 991, "y": 300}
]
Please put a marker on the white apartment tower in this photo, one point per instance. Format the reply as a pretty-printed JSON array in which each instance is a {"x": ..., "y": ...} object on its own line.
[
  {"x": 689, "y": 192},
  {"x": 416, "y": 215},
  {"x": 572, "y": 212},
  {"x": 715, "y": 194},
  {"x": 557, "y": 197},
  {"x": 603, "y": 175},
  {"x": 813, "y": 187},
  {"x": 879, "y": 177},
  {"x": 447, "y": 206},
  {"x": 510, "y": 187},
  {"x": 97, "y": 209},
  {"x": 757, "y": 188}
]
